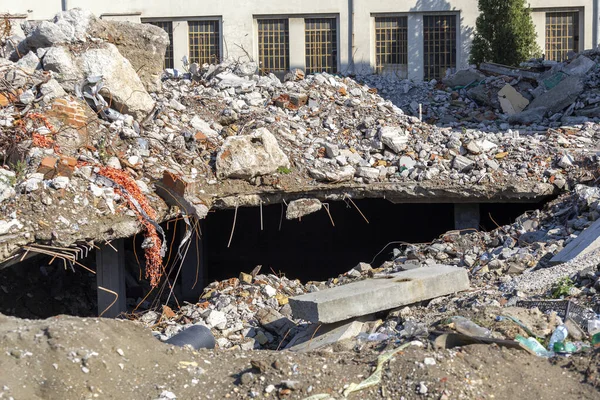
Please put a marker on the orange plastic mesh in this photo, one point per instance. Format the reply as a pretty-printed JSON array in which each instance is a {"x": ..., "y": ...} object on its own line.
[{"x": 153, "y": 257}]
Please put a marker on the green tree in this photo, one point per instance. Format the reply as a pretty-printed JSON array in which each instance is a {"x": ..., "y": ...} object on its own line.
[{"x": 504, "y": 33}]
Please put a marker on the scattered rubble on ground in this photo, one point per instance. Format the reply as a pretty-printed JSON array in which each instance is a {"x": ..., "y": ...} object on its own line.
[{"x": 94, "y": 151}]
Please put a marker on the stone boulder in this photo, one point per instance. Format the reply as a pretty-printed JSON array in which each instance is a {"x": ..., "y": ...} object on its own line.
[
  {"x": 144, "y": 45},
  {"x": 250, "y": 155},
  {"x": 123, "y": 89}
]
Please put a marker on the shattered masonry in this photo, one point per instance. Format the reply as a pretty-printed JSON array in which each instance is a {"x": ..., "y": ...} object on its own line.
[{"x": 74, "y": 111}]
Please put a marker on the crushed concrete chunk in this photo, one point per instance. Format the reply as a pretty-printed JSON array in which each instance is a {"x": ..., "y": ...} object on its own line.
[
  {"x": 511, "y": 101},
  {"x": 250, "y": 155},
  {"x": 300, "y": 208},
  {"x": 394, "y": 138}
]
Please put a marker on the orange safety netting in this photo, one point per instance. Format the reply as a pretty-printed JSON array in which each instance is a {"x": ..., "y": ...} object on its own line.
[
  {"x": 153, "y": 256},
  {"x": 38, "y": 139}
]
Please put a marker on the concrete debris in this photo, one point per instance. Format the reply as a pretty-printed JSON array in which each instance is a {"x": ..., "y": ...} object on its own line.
[
  {"x": 511, "y": 101},
  {"x": 373, "y": 295},
  {"x": 300, "y": 208},
  {"x": 328, "y": 337},
  {"x": 250, "y": 155},
  {"x": 223, "y": 136},
  {"x": 587, "y": 242}
]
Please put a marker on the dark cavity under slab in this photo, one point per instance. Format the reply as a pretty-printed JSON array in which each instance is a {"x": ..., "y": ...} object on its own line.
[{"x": 313, "y": 249}]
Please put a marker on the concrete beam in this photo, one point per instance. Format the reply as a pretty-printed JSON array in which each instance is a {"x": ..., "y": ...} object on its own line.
[
  {"x": 586, "y": 242},
  {"x": 110, "y": 274},
  {"x": 466, "y": 216},
  {"x": 374, "y": 295},
  {"x": 310, "y": 343}
]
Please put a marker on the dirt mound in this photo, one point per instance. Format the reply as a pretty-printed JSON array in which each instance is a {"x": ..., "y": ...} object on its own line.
[{"x": 78, "y": 358}]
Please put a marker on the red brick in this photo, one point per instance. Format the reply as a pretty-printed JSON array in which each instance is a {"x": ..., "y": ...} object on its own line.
[
  {"x": 66, "y": 166},
  {"x": 201, "y": 137},
  {"x": 174, "y": 182},
  {"x": 47, "y": 167}
]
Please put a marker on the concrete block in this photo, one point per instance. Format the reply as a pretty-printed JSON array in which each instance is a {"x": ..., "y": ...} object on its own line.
[
  {"x": 346, "y": 331},
  {"x": 373, "y": 295},
  {"x": 586, "y": 242}
]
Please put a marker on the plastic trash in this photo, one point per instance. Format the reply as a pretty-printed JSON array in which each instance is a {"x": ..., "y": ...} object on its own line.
[
  {"x": 565, "y": 347},
  {"x": 467, "y": 327},
  {"x": 518, "y": 323},
  {"x": 593, "y": 325},
  {"x": 559, "y": 335},
  {"x": 197, "y": 336},
  {"x": 534, "y": 346},
  {"x": 596, "y": 341},
  {"x": 373, "y": 337}
]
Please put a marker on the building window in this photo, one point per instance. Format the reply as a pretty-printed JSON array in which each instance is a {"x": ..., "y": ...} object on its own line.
[
  {"x": 204, "y": 41},
  {"x": 439, "y": 36},
  {"x": 274, "y": 45},
  {"x": 562, "y": 34},
  {"x": 391, "y": 43},
  {"x": 167, "y": 26},
  {"x": 321, "y": 45}
]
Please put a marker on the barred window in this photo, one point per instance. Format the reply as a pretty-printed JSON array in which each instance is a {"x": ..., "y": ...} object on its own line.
[
  {"x": 562, "y": 34},
  {"x": 321, "y": 45},
  {"x": 391, "y": 42},
  {"x": 204, "y": 42},
  {"x": 439, "y": 35},
  {"x": 274, "y": 45},
  {"x": 167, "y": 26}
]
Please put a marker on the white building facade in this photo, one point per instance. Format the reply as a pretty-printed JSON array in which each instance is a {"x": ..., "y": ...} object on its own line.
[{"x": 417, "y": 39}]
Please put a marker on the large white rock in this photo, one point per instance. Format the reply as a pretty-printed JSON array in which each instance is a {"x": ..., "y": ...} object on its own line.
[
  {"x": 122, "y": 86},
  {"x": 394, "y": 138},
  {"x": 250, "y": 155},
  {"x": 60, "y": 60}
]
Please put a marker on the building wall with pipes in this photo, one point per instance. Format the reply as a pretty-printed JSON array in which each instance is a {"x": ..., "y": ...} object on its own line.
[{"x": 414, "y": 38}]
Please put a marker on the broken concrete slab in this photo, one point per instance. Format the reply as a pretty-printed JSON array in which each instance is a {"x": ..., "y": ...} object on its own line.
[
  {"x": 463, "y": 77},
  {"x": 302, "y": 207},
  {"x": 511, "y": 101},
  {"x": 121, "y": 83},
  {"x": 310, "y": 343},
  {"x": 144, "y": 45},
  {"x": 586, "y": 242},
  {"x": 559, "y": 97},
  {"x": 373, "y": 295},
  {"x": 273, "y": 321},
  {"x": 250, "y": 155},
  {"x": 579, "y": 66}
]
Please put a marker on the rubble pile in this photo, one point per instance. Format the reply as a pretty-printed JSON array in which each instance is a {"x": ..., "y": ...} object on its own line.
[
  {"x": 539, "y": 95},
  {"x": 90, "y": 148},
  {"x": 75, "y": 104}
]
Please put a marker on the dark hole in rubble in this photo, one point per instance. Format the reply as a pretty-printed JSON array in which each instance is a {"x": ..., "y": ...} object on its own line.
[
  {"x": 312, "y": 249},
  {"x": 401, "y": 280}
]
